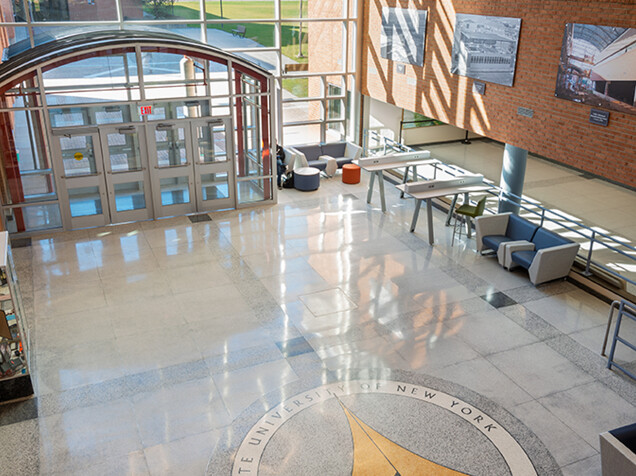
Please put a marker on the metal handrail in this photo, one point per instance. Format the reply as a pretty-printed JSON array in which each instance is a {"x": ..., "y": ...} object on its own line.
[
  {"x": 387, "y": 143},
  {"x": 615, "y": 305},
  {"x": 595, "y": 236},
  {"x": 592, "y": 239},
  {"x": 625, "y": 309}
]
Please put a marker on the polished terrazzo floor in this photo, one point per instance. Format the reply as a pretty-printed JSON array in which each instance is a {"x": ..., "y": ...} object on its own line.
[{"x": 150, "y": 339}]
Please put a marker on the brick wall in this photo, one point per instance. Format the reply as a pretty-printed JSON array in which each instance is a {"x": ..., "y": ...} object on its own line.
[
  {"x": 324, "y": 48},
  {"x": 559, "y": 129}
]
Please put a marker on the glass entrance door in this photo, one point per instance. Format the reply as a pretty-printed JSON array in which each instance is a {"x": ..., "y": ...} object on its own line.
[
  {"x": 127, "y": 178},
  {"x": 83, "y": 197},
  {"x": 172, "y": 168},
  {"x": 112, "y": 174},
  {"x": 191, "y": 166},
  {"x": 213, "y": 164}
]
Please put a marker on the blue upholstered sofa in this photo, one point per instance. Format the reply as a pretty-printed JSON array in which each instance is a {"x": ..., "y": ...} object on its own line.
[{"x": 519, "y": 242}]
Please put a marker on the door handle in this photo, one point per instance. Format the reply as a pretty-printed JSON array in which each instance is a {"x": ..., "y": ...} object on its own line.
[
  {"x": 171, "y": 166},
  {"x": 65, "y": 177}
]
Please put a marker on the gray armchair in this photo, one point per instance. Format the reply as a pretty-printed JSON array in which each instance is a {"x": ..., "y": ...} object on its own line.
[
  {"x": 343, "y": 152},
  {"x": 518, "y": 242}
]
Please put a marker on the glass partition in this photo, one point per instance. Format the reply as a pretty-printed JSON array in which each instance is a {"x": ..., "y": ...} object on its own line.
[
  {"x": 302, "y": 134},
  {"x": 34, "y": 177},
  {"x": 255, "y": 190},
  {"x": 302, "y": 111},
  {"x": 33, "y": 217},
  {"x": 179, "y": 109},
  {"x": 93, "y": 115},
  {"x": 90, "y": 80},
  {"x": 217, "y": 71},
  {"x": 16, "y": 38}
]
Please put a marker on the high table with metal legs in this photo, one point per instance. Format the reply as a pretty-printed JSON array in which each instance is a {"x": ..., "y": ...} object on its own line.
[
  {"x": 376, "y": 171},
  {"x": 429, "y": 195}
]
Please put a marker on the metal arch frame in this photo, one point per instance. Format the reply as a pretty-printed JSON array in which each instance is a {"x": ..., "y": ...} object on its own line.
[
  {"x": 26, "y": 63},
  {"x": 32, "y": 62}
]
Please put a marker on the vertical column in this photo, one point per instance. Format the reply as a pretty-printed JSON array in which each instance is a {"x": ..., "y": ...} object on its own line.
[
  {"x": 512, "y": 176},
  {"x": 240, "y": 136},
  {"x": 187, "y": 72},
  {"x": 268, "y": 164}
]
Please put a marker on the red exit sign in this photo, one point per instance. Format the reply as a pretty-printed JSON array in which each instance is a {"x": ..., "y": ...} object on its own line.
[{"x": 145, "y": 110}]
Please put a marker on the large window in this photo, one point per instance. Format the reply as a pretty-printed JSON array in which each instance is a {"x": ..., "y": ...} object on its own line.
[
  {"x": 301, "y": 41},
  {"x": 308, "y": 45}
]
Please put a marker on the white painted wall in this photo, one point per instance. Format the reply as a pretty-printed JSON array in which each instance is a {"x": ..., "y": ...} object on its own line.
[{"x": 386, "y": 118}]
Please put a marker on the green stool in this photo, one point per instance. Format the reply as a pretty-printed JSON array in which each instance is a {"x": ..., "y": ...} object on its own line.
[{"x": 468, "y": 211}]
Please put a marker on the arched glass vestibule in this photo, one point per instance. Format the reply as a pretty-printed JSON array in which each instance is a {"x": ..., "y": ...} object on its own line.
[{"x": 110, "y": 127}]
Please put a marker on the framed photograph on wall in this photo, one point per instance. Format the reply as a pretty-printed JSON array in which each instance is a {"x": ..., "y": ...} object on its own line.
[
  {"x": 403, "y": 35},
  {"x": 485, "y": 48},
  {"x": 598, "y": 66}
]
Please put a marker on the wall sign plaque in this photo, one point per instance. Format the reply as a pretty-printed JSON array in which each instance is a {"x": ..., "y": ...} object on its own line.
[
  {"x": 525, "y": 112},
  {"x": 599, "y": 117},
  {"x": 479, "y": 88}
]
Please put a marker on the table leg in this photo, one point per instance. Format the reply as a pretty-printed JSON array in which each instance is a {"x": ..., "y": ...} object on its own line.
[
  {"x": 416, "y": 212},
  {"x": 404, "y": 179},
  {"x": 370, "y": 192},
  {"x": 469, "y": 225},
  {"x": 381, "y": 180},
  {"x": 449, "y": 216},
  {"x": 429, "y": 216}
]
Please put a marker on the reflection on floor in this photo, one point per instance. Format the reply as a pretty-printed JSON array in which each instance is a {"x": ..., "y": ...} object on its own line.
[
  {"x": 581, "y": 198},
  {"x": 150, "y": 339}
]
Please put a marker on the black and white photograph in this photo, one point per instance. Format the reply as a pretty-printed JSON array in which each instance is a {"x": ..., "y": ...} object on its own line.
[
  {"x": 485, "y": 48},
  {"x": 598, "y": 66},
  {"x": 403, "y": 34}
]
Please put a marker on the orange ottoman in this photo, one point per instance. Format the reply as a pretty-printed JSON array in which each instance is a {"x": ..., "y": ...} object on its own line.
[{"x": 350, "y": 173}]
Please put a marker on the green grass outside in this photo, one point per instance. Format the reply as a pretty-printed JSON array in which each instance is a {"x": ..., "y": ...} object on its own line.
[
  {"x": 299, "y": 87},
  {"x": 262, "y": 33}
]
